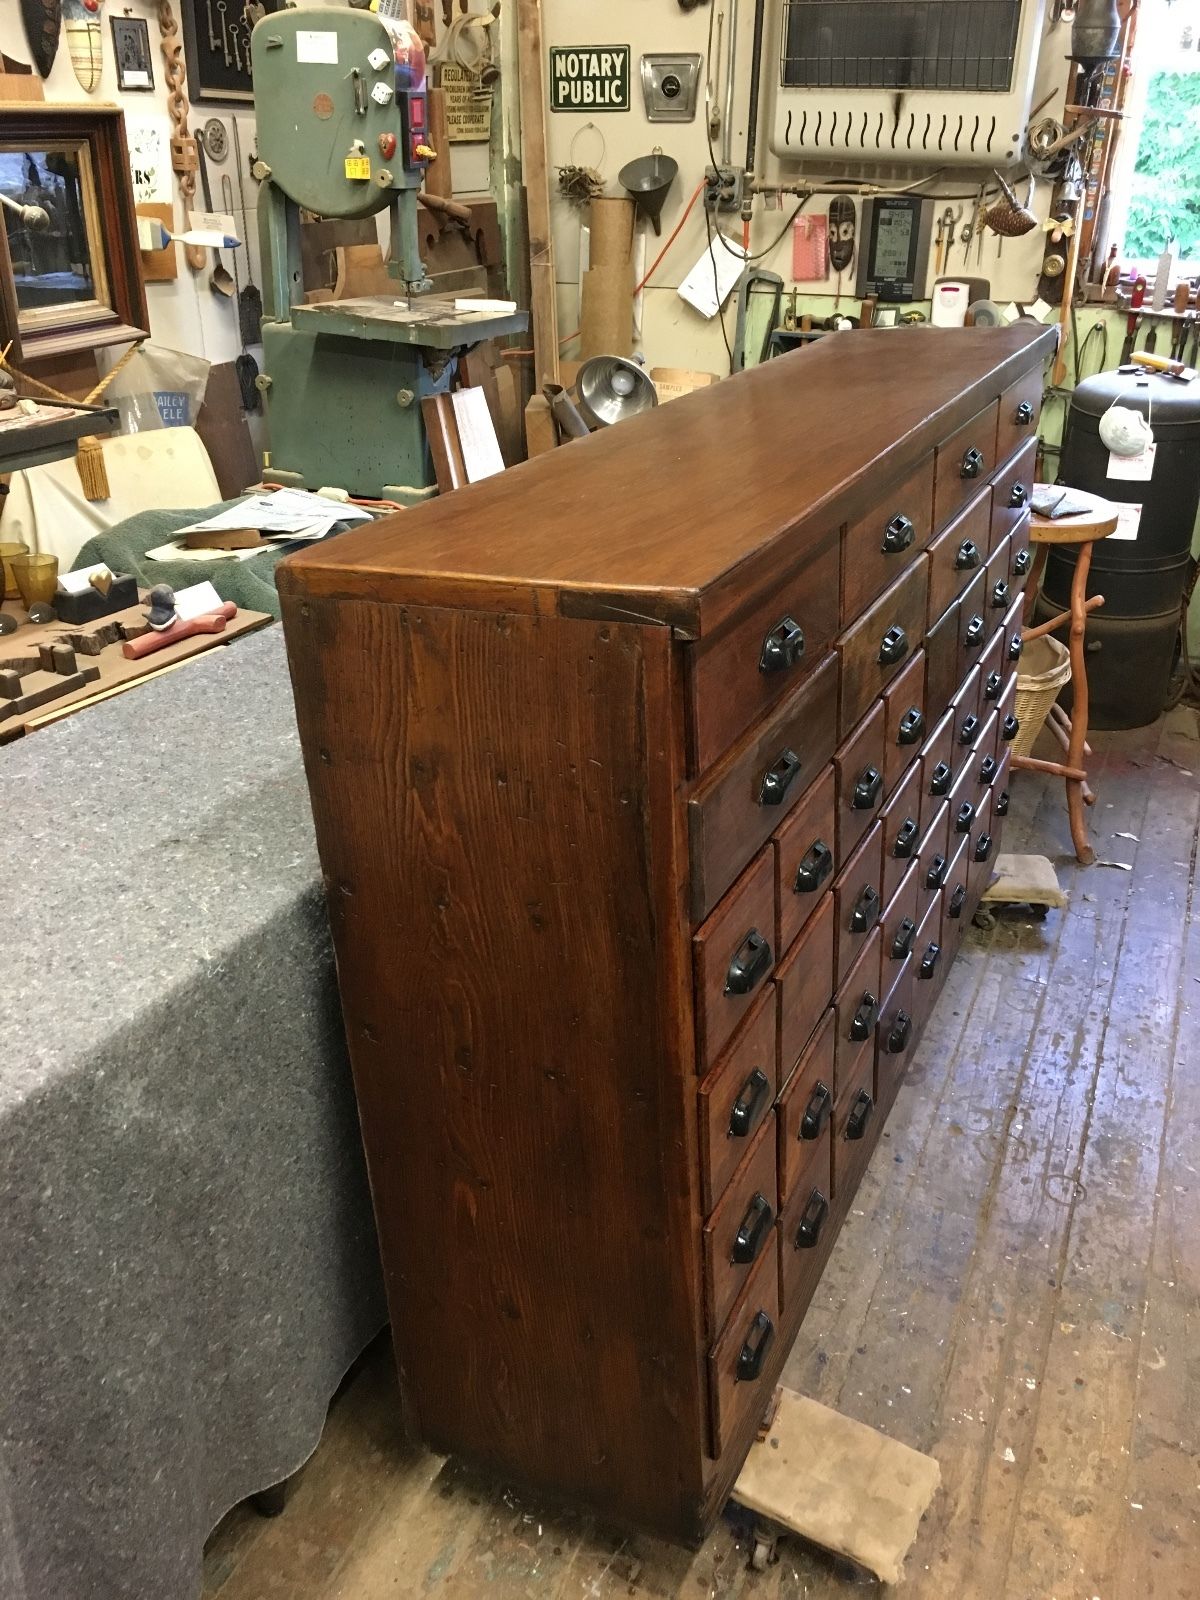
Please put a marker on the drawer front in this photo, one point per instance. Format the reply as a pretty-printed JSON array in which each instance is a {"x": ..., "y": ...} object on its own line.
[
  {"x": 1000, "y": 788},
  {"x": 806, "y": 857},
  {"x": 897, "y": 1035},
  {"x": 935, "y": 858},
  {"x": 876, "y": 550},
  {"x": 1012, "y": 492},
  {"x": 805, "y": 986},
  {"x": 736, "y": 1098},
  {"x": 1009, "y": 726},
  {"x": 748, "y": 795},
  {"x": 992, "y": 668},
  {"x": 938, "y": 762},
  {"x": 858, "y": 901},
  {"x": 741, "y": 1367},
  {"x": 964, "y": 464},
  {"x": 973, "y": 629},
  {"x": 905, "y": 723},
  {"x": 874, "y": 650},
  {"x": 1020, "y": 553},
  {"x": 1020, "y": 408},
  {"x": 741, "y": 1231},
  {"x": 860, "y": 783},
  {"x": 733, "y": 959},
  {"x": 930, "y": 964},
  {"x": 742, "y": 673},
  {"x": 999, "y": 588},
  {"x": 956, "y": 910},
  {"x": 856, "y": 1125},
  {"x": 901, "y": 831},
  {"x": 857, "y": 1006},
  {"x": 806, "y": 1232},
  {"x": 959, "y": 553},
  {"x": 1014, "y": 622},
  {"x": 967, "y": 723},
  {"x": 985, "y": 763},
  {"x": 942, "y": 663},
  {"x": 964, "y": 805},
  {"x": 901, "y": 919},
  {"x": 805, "y": 1116}
]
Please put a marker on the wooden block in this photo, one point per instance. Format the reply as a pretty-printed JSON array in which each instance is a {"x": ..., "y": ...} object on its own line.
[
  {"x": 159, "y": 266},
  {"x": 224, "y": 433},
  {"x": 21, "y": 86},
  {"x": 540, "y": 432}
]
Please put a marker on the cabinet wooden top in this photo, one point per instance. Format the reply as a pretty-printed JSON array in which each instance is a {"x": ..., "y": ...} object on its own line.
[{"x": 683, "y": 514}]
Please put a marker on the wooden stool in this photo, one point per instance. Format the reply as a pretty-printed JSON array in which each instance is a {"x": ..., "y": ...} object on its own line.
[{"x": 1097, "y": 522}]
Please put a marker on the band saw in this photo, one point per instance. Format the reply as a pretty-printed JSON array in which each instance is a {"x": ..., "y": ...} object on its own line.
[{"x": 343, "y": 128}]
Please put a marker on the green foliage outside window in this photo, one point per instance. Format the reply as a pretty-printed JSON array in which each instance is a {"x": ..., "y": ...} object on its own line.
[{"x": 1165, "y": 201}]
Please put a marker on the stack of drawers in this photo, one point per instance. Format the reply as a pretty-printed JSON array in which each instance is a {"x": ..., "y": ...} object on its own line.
[
  {"x": 651, "y": 824},
  {"x": 838, "y": 857}
]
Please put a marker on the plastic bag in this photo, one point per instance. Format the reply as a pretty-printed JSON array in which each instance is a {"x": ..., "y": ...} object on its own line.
[{"x": 159, "y": 388}]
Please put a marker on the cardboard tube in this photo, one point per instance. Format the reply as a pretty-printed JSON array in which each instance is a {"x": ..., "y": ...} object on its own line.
[
  {"x": 611, "y": 224},
  {"x": 606, "y": 325}
]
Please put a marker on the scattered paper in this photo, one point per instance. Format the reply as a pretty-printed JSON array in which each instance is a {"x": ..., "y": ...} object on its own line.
[
  {"x": 477, "y": 435},
  {"x": 197, "y": 600},
  {"x": 181, "y": 552},
  {"x": 81, "y": 581},
  {"x": 288, "y": 513},
  {"x": 712, "y": 280},
  {"x": 1132, "y": 836},
  {"x": 1129, "y": 524},
  {"x": 1120, "y": 866},
  {"x": 1133, "y": 469}
]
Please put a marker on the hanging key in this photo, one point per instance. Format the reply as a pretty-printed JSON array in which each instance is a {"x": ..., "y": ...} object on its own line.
[
  {"x": 212, "y": 32},
  {"x": 222, "y": 8}
]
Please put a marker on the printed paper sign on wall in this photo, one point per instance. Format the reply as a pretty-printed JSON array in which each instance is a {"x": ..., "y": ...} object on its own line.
[{"x": 589, "y": 78}]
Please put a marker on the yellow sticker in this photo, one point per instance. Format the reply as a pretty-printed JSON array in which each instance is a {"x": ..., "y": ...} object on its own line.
[{"x": 358, "y": 167}]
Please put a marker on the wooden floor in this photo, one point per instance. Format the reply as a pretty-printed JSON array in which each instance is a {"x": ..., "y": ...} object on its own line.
[{"x": 1016, "y": 1291}]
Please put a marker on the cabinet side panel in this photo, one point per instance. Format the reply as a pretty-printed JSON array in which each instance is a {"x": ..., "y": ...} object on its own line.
[{"x": 492, "y": 801}]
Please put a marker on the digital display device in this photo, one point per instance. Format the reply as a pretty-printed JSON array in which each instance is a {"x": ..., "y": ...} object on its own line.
[{"x": 893, "y": 258}]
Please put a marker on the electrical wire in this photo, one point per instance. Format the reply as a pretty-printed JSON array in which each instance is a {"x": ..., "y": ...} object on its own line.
[{"x": 708, "y": 228}]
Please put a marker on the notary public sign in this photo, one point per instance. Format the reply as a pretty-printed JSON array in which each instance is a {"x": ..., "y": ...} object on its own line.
[{"x": 590, "y": 77}]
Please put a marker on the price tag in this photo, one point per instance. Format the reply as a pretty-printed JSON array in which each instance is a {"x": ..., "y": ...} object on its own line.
[
  {"x": 358, "y": 168},
  {"x": 1134, "y": 469}
]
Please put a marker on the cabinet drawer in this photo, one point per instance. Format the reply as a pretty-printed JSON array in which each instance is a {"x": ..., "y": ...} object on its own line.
[
  {"x": 985, "y": 763},
  {"x": 901, "y": 831},
  {"x": 1020, "y": 408},
  {"x": 965, "y": 705},
  {"x": 857, "y": 1006},
  {"x": 1012, "y": 492},
  {"x": 736, "y": 1098},
  {"x": 934, "y": 859},
  {"x": 930, "y": 967},
  {"x": 938, "y": 760},
  {"x": 901, "y": 919},
  {"x": 1020, "y": 553},
  {"x": 873, "y": 651},
  {"x": 859, "y": 768},
  {"x": 805, "y": 985},
  {"x": 1014, "y": 622},
  {"x": 904, "y": 729},
  {"x": 958, "y": 553},
  {"x": 746, "y": 797},
  {"x": 744, "y": 1360},
  {"x": 956, "y": 913},
  {"x": 897, "y": 1036},
  {"x": 942, "y": 663},
  {"x": 806, "y": 1110},
  {"x": 1009, "y": 726},
  {"x": 733, "y": 957},
  {"x": 973, "y": 630},
  {"x": 741, "y": 1230},
  {"x": 964, "y": 806},
  {"x": 876, "y": 550},
  {"x": 992, "y": 667},
  {"x": 1000, "y": 795},
  {"x": 806, "y": 1232},
  {"x": 856, "y": 1124},
  {"x": 964, "y": 464},
  {"x": 858, "y": 901},
  {"x": 739, "y": 675},
  {"x": 999, "y": 588},
  {"x": 806, "y": 857}
]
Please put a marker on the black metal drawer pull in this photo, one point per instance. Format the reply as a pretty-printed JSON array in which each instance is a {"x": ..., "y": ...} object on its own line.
[
  {"x": 1015, "y": 645},
  {"x": 906, "y": 839},
  {"x": 779, "y": 778},
  {"x": 783, "y": 648},
  {"x": 1024, "y": 414},
  {"x": 983, "y": 847},
  {"x": 936, "y": 876},
  {"x": 912, "y": 726},
  {"x": 748, "y": 1104},
  {"x": 972, "y": 464},
  {"x": 957, "y": 900},
  {"x": 929, "y": 961},
  {"x": 903, "y": 942},
  {"x": 867, "y": 790},
  {"x": 900, "y": 1035},
  {"x": 1000, "y": 596},
  {"x": 989, "y": 769},
  {"x": 1001, "y": 804},
  {"x": 754, "y": 1232},
  {"x": 965, "y": 817},
  {"x": 898, "y": 535},
  {"x": 894, "y": 647},
  {"x": 1009, "y": 728},
  {"x": 1022, "y": 562},
  {"x": 866, "y": 910},
  {"x": 817, "y": 1112},
  {"x": 969, "y": 731},
  {"x": 993, "y": 686},
  {"x": 967, "y": 558},
  {"x": 860, "y": 1115},
  {"x": 754, "y": 1351},
  {"x": 814, "y": 869},
  {"x": 940, "y": 780},
  {"x": 864, "y": 1019},
  {"x": 750, "y": 964},
  {"x": 975, "y": 631},
  {"x": 808, "y": 1234},
  {"x": 1018, "y": 496}
]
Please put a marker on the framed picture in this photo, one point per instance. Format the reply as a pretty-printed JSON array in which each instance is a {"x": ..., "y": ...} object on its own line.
[
  {"x": 216, "y": 48},
  {"x": 131, "y": 51},
  {"x": 70, "y": 270}
]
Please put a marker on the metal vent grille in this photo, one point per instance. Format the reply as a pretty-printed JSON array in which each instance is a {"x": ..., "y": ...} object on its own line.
[{"x": 900, "y": 44}]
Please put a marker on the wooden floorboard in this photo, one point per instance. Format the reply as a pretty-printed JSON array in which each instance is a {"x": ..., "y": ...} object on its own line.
[{"x": 1017, "y": 1290}]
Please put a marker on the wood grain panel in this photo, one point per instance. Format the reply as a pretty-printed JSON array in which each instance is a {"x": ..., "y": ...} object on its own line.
[
  {"x": 806, "y": 1225},
  {"x": 857, "y": 1002},
  {"x": 958, "y": 553},
  {"x": 735, "y": 1398},
  {"x": 964, "y": 463},
  {"x": 741, "y": 930},
  {"x": 939, "y": 760},
  {"x": 1013, "y": 490},
  {"x": 905, "y": 721},
  {"x": 874, "y": 650},
  {"x": 805, "y": 986},
  {"x": 860, "y": 781},
  {"x": 1020, "y": 408},
  {"x": 805, "y": 1112},
  {"x": 808, "y": 841},
  {"x": 878, "y": 547},
  {"x": 858, "y": 900},
  {"x": 736, "y": 1098},
  {"x": 901, "y": 820},
  {"x": 742, "y": 1228}
]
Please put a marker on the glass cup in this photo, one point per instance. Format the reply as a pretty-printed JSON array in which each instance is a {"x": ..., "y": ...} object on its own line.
[
  {"x": 9, "y": 549},
  {"x": 36, "y": 577}
]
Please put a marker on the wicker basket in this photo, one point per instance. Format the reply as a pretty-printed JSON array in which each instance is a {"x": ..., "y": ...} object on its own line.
[{"x": 1045, "y": 673}]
